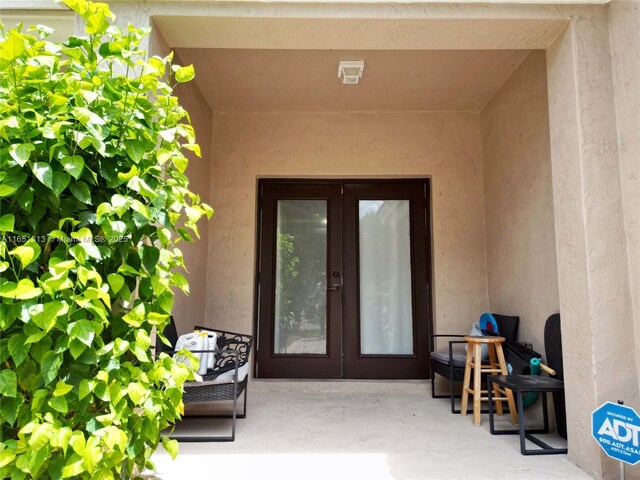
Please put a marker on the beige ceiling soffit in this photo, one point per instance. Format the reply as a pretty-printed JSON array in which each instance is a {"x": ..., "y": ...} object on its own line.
[
  {"x": 398, "y": 2},
  {"x": 393, "y": 80},
  {"x": 360, "y": 34},
  {"x": 32, "y": 5}
]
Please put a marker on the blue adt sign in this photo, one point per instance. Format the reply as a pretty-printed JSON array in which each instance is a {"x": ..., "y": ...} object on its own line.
[{"x": 617, "y": 429}]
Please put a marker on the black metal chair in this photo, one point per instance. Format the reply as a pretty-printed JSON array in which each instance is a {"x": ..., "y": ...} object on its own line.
[
  {"x": 450, "y": 363},
  {"x": 225, "y": 382}
]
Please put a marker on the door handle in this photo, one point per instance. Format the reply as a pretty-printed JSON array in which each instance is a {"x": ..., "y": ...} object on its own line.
[{"x": 333, "y": 287}]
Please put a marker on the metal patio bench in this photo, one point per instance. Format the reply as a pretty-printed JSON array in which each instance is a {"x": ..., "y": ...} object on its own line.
[{"x": 227, "y": 381}]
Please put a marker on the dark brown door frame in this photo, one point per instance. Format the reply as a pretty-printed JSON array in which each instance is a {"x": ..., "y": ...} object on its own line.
[
  {"x": 357, "y": 365},
  {"x": 306, "y": 366},
  {"x": 422, "y": 281}
]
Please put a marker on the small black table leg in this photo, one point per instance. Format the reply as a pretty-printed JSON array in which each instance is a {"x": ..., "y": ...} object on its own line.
[
  {"x": 523, "y": 447},
  {"x": 545, "y": 413}
]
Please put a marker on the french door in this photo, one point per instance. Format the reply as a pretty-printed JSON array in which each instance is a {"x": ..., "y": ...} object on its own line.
[{"x": 344, "y": 281}]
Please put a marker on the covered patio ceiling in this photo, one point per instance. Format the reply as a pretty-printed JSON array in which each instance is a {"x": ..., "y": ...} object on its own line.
[
  {"x": 240, "y": 80},
  {"x": 289, "y": 62}
]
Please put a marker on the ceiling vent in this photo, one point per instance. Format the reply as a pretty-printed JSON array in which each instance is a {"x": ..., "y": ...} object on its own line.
[{"x": 350, "y": 71}]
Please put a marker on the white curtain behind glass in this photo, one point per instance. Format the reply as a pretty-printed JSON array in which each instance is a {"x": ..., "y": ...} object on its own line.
[{"x": 386, "y": 325}]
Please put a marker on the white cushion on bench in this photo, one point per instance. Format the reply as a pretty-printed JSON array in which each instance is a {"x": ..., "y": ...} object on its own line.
[{"x": 226, "y": 377}]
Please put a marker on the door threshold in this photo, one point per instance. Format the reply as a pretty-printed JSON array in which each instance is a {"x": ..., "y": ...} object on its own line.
[{"x": 339, "y": 386}]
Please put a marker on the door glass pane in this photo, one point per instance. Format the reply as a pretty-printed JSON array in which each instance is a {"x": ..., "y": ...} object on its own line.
[
  {"x": 386, "y": 318},
  {"x": 301, "y": 277}
]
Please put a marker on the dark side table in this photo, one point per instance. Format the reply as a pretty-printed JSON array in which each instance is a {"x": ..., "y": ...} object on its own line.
[{"x": 520, "y": 385}]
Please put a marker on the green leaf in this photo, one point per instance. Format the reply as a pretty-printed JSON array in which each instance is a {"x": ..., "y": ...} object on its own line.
[
  {"x": 77, "y": 442},
  {"x": 60, "y": 182},
  {"x": 193, "y": 214},
  {"x": 74, "y": 466},
  {"x": 13, "y": 46},
  {"x": 43, "y": 172},
  {"x": 7, "y": 222},
  {"x": 6, "y": 456},
  {"x": 8, "y": 383},
  {"x": 137, "y": 184},
  {"x": 143, "y": 340},
  {"x": 81, "y": 191},
  {"x": 138, "y": 206},
  {"x": 10, "y": 183},
  {"x": 86, "y": 116},
  {"x": 136, "y": 392},
  {"x": 46, "y": 316},
  {"x": 149, "y": 256},
  {"x": 23, "y": 290},
  {"x": 83, "y": 330},
  {"x": 92, "y": 453},
  {"x": 50, "y": 366},
  {"x": 136, "y": 316},
  {"x": 18, "y": 349},
  {"x": 38, "y": 399},
  {"x": 59, "y": 404},
  {"x": 135, "y": 150},
  {"x": 165, "y": 301},
  {"x": 120, "y": 346},
  {"x": 178, "y": 280},
  {"x": 184, "y": 233},
  {"x": 181, "y": 163},
  {"x": 25, "y": 199},
  {"x": 77, "y": 348},
  {"x": 92, "y": 251},
  {"x": 129, "y": 175},
  {"x": 27, "y": 253},
  {"x": 21, "y": 152},
  {"x": 73, "y": 165},
  {"x": 78, "y": 253},
  {"x": 171, "y": 446},
  {"x": 115, "y": 282},
  {"x": 184, "y": 74},
  {"x": 9, "y": 408},
  {"x": 62, "y": 389},
  {"x": 84, "y": 389},
  {"x": 61, "y": 437},
  {"x": 97, "y": 22},
  {"x": 115, "y": 230},
  {"x": 40, "y": 436}
]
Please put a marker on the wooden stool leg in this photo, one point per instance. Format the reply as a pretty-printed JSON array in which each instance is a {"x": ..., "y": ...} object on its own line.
[
  {"x": 465, "y": 384},
  {"x": 508, "y": 392},
  {"x": 477, "y": 385},
  {"x": 496, "y": 389}
]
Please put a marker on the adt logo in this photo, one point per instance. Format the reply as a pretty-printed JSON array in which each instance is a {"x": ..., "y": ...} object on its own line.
[{"x": 617, "y": 429}]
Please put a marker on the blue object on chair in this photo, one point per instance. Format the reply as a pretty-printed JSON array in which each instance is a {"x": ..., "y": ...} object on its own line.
[{"x": 488, "y": 324}]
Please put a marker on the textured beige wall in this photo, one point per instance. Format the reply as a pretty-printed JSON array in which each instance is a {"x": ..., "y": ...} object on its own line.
[
  {"x": 445, "y": 146},
  {"x": 593, "y": 264},
  {"x": 624, "y": 32},
  {"x": 521, "y": 254}
]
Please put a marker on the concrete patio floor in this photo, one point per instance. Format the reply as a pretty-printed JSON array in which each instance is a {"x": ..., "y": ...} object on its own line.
[{"x": 355, "y": 430}]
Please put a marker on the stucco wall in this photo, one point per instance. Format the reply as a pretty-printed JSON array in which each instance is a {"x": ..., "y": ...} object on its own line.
[
  {"x": 445, "y": 146},
  {"x": 593, "y": 263},
  {"x": 521, "y": 254},
  {"x": 624, "y": 32}
]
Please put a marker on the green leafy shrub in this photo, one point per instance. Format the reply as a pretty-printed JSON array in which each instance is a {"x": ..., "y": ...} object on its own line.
[{"x": 94, "y": 201}]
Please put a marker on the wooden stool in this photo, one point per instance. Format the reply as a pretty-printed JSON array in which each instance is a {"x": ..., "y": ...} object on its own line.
[{"x": 494, "y": 367}]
